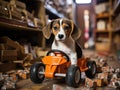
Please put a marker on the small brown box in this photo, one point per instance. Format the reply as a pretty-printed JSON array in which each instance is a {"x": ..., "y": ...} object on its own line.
[
  {"x": 99, "y": 82},
  {"x": 9, "y": 42},
  {"x": 6, "y": 55}
]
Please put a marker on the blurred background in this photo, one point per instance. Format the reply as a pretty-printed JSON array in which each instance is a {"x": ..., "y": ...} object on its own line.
[{"x": 21, "y": 22}]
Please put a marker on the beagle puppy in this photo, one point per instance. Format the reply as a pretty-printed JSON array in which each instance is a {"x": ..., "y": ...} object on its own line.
[{"x": 65, "y": 33}]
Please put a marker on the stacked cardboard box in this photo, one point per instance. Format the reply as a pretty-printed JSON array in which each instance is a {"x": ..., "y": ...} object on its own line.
[
  {"x": 7, "y": 55},
  {"x": 19, "y": 12},
  {"x": 11, "y": 53},
  {"x": 16, "y": 11},
  {"x": 10, "y": 50}
]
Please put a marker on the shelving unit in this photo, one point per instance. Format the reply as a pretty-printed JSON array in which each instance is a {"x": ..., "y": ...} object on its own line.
[
  {"x": 116, "y": 25},
  {"x": 103, "y": 37},
  {"x": 116, "y": 21},
  {"x": 18, "y": 29},
  {"x": 104, "y": 15},
  {"x": 11, "y": 26},
  {"x": 16, "y": 32},
  {"x": 23, "y": 28}
]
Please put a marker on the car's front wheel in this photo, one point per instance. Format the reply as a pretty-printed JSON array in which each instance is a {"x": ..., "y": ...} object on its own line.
[{"x": 37, "y": 72}]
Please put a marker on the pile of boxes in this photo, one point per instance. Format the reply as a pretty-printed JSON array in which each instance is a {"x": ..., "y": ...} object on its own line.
[
  {"x": 13, "y": 52},
  {"x": 10, "y": 50},
  {"x": 106, "y": 76},
  {"x": 17, "y": 12}
]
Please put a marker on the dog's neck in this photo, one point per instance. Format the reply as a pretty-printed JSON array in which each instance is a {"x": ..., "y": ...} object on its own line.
[{"x": 67, "y": 43}]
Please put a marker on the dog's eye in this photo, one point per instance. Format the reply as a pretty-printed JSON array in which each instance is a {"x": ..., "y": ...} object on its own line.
[
  {"x": 66, "y": 27},
  {"x": 55, "y": 28}
]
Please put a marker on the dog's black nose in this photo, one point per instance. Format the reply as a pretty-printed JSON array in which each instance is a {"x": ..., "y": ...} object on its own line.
[{"x": 60, "y": 36}]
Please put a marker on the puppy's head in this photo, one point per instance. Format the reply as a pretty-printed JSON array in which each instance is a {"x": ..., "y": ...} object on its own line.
[{"x": 62, "y": 29}]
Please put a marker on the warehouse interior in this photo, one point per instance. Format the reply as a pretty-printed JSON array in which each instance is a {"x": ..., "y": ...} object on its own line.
[{"x": 22, "y": 43}]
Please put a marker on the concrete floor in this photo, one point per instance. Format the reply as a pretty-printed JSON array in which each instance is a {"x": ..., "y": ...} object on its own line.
[{"x": 49, "y": 84}]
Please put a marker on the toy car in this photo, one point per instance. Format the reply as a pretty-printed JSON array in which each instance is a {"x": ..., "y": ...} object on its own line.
[{"x": 59, "y": 66}]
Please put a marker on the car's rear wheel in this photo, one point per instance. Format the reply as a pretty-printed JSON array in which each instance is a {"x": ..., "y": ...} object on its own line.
[
  {"x": 92, "y": 68},
  {"x": 73, "y": 76}
]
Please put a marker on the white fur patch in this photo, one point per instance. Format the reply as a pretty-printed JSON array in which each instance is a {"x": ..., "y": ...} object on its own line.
[{"x": 61, "y": 32}]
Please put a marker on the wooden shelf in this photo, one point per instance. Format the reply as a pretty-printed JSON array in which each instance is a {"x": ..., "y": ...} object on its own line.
[
  {"x": 116, "y": 11},
  {"x": 104, "y": 35},
  {"x": 7, "y": 24},
  {"x": 17, "y": 30},
  {"x": 103, "y": 15},
  {"x": 102, "y": 31}
]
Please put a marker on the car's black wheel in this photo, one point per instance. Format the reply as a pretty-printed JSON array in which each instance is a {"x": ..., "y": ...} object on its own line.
[
  {"x": 92, "y": 68},
  {"x": 73, "y": 76},
  {"x": 36, "y": 72}
]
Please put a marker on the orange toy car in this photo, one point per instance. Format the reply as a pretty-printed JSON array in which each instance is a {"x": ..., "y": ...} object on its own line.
[{"x": 59, "y": 66}]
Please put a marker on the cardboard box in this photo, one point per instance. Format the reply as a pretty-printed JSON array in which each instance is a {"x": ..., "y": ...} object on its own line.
[
  {"x": 7, "y": 55},
  {"x": 99, "y": 82},
  {"x": 5, "y": 67},
  {"x": 10, "y": 44}
]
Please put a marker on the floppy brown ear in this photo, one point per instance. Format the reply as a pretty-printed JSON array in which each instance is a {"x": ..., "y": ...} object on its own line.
[
  {"x": 76, "y": 32},
  {"x": 47, "y": 30}
]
